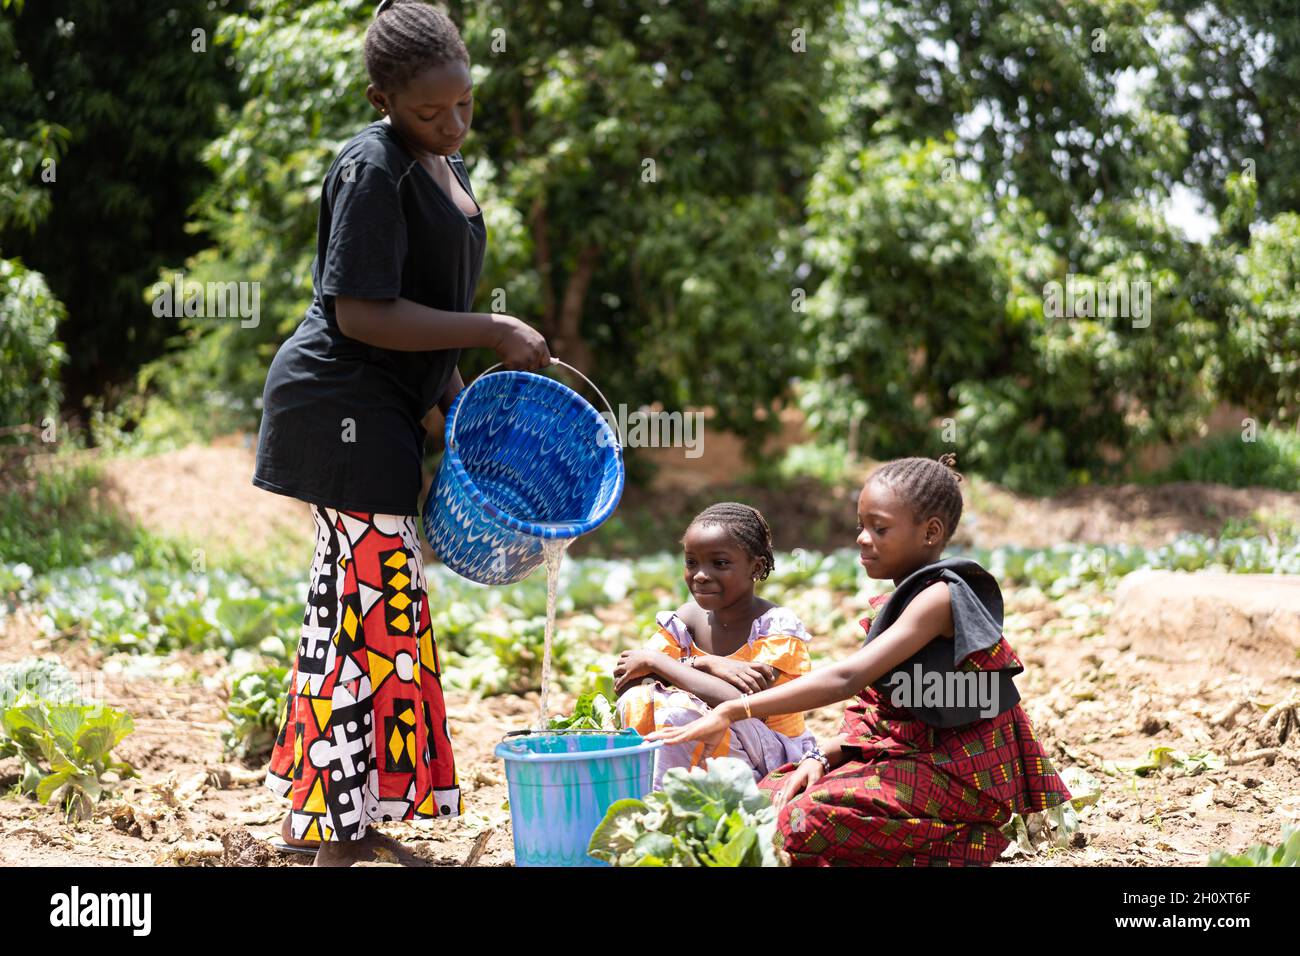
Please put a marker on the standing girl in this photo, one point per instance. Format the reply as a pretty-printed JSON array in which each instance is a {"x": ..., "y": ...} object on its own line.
[
  {"x": 935, "y": 753},
  {"x": 363, "y": 736}
]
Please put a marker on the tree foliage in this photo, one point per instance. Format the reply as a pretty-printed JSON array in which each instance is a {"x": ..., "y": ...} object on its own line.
[
  {"x": 875, "y": 208},
  {"x": 137, "y": 100}
]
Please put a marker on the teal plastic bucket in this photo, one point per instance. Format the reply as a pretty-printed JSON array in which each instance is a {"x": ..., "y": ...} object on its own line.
[{"x": 561, "y": 784}]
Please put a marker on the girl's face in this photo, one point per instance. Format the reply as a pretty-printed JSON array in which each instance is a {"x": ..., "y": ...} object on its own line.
[
  {"x": 891, "y": 543},
  {"x": 432, "y": 113},
  {"x": 718, "y": 570}
]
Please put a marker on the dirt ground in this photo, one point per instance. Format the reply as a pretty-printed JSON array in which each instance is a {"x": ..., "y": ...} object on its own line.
[{"x": 1092, "y": 697}]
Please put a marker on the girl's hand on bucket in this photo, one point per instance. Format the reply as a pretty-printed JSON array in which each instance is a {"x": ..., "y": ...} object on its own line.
[
  {"x": 520, "y": 347},
  {"x": 710, "y": 727}
]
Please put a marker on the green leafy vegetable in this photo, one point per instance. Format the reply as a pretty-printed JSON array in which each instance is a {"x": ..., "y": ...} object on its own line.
[
  {"x": 256, "y": 700},
  {"x": 1285, "y": 854},
  {"x": 593, "y": 711},
  {"x": 39, "y": 677},
  {"x": 1168, "y": 762},
  {"x": 713, "y": 817},
  {"x": 65, "y": 750}
]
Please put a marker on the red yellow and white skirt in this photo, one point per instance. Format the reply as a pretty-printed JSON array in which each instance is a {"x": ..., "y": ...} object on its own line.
[{"x": 363, "y": 736}]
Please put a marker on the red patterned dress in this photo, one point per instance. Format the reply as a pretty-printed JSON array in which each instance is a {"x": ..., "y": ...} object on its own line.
[{"x": 917, "y": 795}]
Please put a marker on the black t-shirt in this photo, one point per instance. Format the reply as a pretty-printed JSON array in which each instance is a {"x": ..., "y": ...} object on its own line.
[{"x": 340, "y": 418}]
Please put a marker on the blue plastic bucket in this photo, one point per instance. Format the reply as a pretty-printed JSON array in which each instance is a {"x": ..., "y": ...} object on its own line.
[
  {"x": 561, "y": 785},
  {"x": 527, "y": 459}
]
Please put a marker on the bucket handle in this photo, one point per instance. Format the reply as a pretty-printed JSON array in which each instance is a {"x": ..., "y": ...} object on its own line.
[{"x": 451, "y": 435}]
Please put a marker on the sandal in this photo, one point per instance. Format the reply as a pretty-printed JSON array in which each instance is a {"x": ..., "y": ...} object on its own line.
[{"x": 278, "y": 844}]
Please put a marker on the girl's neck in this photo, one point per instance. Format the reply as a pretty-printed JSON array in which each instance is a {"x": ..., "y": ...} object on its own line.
[
  {"x": 922, "y": 563},
  {"x": 425, "y": 158},
  {"x": 735, "y": 617}
]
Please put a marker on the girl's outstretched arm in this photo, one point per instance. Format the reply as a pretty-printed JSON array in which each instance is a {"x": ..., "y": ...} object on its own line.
[{"x": 928, "y": 616}]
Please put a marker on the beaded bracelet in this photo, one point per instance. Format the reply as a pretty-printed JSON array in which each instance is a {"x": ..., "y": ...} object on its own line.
[{"x": 821, "y": 758}]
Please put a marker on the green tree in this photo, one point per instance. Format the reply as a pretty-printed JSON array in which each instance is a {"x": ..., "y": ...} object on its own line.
[
  {"x": 30, "y": 351},
  {"x": 638, "y": 185},
  {"x": 136, "y": 95},
  {"x": 1233, "y": 67}
]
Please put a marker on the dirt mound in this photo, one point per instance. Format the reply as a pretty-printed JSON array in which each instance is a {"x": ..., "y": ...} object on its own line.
[
  {"x": 206, "y": 494},
  {"x": 1243, "y": 623},
  {"x": 1116, "y": 514},
  {"x": 241, "y": 848}
]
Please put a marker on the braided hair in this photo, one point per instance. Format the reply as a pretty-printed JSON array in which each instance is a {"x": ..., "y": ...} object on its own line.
[
  {"x": 747, "y": 525},
  {"x": 408, "y": 37},
  {"x": 926, "y": 485}
]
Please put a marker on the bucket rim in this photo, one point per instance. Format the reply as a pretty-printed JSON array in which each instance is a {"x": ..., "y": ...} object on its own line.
[
  {"x": 549, "y": 530},
  {"x": 512, "y": 756}
]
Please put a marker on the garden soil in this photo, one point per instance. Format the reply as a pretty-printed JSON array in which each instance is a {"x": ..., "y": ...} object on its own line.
[{"x": 1095, "y": 696}]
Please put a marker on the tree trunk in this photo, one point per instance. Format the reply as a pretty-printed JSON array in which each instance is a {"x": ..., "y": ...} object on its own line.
[{"x": 567, "y": 343}]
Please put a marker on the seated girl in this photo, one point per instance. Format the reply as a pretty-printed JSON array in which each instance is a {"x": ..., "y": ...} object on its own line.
[
  {"x": 935, "y": 752},
  {"x": 725, "y": 642}
]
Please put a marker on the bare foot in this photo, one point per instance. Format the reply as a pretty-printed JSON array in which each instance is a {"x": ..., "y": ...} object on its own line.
[
  {"x": 346, "y": 852},
  {"x": 374, "y": 847},
  {"x": 287, "y": 835}
]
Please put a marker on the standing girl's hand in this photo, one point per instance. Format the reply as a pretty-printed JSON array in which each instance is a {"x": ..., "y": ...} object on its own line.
[
  {"x": 807, "y": 773},
  {"x": 520, "y": 347}
]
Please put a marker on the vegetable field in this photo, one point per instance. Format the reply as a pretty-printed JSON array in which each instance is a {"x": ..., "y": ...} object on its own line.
[{"x": 141, "y": 690}]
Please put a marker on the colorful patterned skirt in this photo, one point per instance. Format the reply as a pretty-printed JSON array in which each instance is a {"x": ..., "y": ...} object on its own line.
[
  {"x": 916, "y": 795},
  {"x": 363, "y": 735}
]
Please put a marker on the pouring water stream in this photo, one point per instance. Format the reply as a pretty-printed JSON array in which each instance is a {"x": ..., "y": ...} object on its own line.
[{"x": 553, "y": 554}]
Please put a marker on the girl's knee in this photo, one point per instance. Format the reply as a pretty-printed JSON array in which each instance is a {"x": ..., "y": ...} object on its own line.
[
  {"x": 775, "y": 780},
  {"x": 635, "y": 708}
]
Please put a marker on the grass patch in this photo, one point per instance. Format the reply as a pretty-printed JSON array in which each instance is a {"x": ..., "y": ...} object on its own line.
[
  {"x": 56, "y": 516},
  {"x": 1272, "y": 460}
]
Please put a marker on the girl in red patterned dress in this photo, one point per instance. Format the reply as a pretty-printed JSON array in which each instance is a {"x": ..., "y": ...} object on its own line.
[{"x": 935, "y": 752}]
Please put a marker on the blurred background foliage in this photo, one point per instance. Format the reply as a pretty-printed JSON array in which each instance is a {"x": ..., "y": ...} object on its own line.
[{"x": 855, "y": 207}]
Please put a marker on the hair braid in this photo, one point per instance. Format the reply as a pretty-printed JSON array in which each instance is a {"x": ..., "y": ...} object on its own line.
[
  {"x": 747, "y": 525},
  {"x": 407, "y": 37},
  {"x": 926, "y": 485}
]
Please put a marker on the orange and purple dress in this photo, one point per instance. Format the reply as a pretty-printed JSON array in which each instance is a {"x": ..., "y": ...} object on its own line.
[{"x": 777, "y": 638}]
